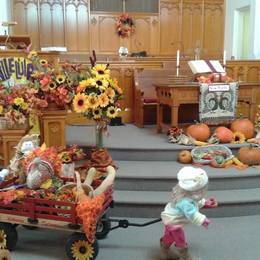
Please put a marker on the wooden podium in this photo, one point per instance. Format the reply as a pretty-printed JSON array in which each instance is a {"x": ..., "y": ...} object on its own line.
[{"x": 15, "y": 42}]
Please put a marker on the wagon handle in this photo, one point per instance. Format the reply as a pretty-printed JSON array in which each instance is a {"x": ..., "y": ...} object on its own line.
[{"x": 124, "y": 223}]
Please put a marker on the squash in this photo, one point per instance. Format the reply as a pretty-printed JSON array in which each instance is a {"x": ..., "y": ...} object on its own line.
[
  {"x": 185, "y": 157},
  {"x": 224, "y": 134},
  {"x": 244, "y": 126},
  {"x": 249, "y": 155},
  {"x": 199, "y": 132}
]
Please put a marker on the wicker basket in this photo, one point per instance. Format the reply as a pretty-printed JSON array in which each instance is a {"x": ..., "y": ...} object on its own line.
[
  {"x": 3, "y": 123},
  {"x": 198, "y": 152},
  {"x": 13, "y": 126}
]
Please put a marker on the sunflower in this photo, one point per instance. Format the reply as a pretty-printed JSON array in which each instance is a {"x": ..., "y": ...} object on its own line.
[
  {"x": 60, "y": 79},
  {"x": 80, "y": 103},
  {"x": 1, "y": 109},
  {"x": 52, "y": 85},
  {"x": 18, "y": 101},
  {"x": 24, "y": 106},
  {"x": 111, "y": 112},
  {"x": 238, "y": 138},
  {"x": 97, "y": 113},
  {"x": 104, "y": 100},
  {"x": 5, "y": 254},
  {"x": 43, "y": 62},
  {"x": 101, "y": 71},
  {"x": 69, "y": 81},
  {"x": 2, "y": 239},
  {"x": 85, "y": 83},
  {"x": 93, "y": 101},
  {"x": 32, "y": 54},
  {"x": 82, "y": 250},
  {"x": 110, "y": 93},
  {"x": 101, "y": 83}
]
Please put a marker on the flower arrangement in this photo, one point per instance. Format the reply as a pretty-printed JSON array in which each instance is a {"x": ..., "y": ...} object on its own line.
[
  {"x": 124, "y": 25},
  {"x": 54, "y": 86},
  {"x": 16, "y": 103},
  {"x": 97, "y": 95},
  {"x": 71, "y": 154}
]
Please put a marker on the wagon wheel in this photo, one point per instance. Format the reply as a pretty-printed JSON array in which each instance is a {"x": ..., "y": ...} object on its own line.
[
  {"x": 8, "y": 236},
  {"x": 103, "y": 227},
  {"x": 29, "y": 227},
  {"x": 5, "y": 254},
  {"x": 78, "y": 248}
]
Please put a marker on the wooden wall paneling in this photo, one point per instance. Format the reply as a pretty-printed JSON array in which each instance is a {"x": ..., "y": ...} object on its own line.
[
  {"x": 83, "y": 27},
  {"x": 58, "y": 24},
  {"x": 213, "y": 40},
  {"x": 170, "y": 14},
  {"x": 155, "y": 33},
  {"x": 103, "y": 32},
  {"x": 25, "y": 13},
  {"x": 19, "y": 15},
  {"x": 141, "y": 39},
  {"x": 71, "y": 33},
  {"x": 192, "y": 24},
  {"x": 33, "y": 24},
  {"x": 77, "y": 25},
  {"x": 46, "y": 22}
]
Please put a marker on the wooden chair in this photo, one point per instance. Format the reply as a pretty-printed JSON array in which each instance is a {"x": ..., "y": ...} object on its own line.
[{"x": 145, "y": 99}]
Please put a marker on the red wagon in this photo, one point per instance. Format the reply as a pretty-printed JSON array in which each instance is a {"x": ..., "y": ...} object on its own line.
[{"x": 57, "y": 215}]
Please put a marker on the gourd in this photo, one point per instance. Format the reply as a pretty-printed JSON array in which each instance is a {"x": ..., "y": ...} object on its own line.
[
  {"x": 199, "y": 132},
  {"x": 244, "y": 126},
  {"x": 224, "y": 134},
  {"x": 185, "y": 157},
  {"x": 249, "y": 155}
]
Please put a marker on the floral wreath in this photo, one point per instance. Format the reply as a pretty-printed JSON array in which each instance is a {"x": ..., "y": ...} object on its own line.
[{"x": 124, "y": 25}]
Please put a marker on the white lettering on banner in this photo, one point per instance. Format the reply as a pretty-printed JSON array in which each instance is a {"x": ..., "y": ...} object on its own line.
[{"x": 218, "y": 87}]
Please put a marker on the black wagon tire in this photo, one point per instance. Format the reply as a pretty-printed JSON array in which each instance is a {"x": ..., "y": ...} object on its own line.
[
  {"x": 103, "y": 227},
  {"x": 78, "y": 247},
  {"x": 8, "y": 236}
]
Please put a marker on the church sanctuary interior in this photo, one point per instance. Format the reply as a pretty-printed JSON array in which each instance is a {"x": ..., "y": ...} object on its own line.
[{"x": 129, "y": 129}]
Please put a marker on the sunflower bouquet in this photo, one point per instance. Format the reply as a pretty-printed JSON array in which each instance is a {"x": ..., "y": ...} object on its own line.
[
  {"x": 97, "y": 96},
  {"x": 54, "y": 86}
]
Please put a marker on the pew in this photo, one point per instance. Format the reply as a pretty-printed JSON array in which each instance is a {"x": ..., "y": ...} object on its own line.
[{"x": 145, "y": 99}]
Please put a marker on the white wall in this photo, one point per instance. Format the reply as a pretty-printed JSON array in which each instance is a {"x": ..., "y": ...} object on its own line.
[
  {"x": 231, "y": 7},
  {"x": 256, "y": 51},
  {"x": 4, "y": 14}
]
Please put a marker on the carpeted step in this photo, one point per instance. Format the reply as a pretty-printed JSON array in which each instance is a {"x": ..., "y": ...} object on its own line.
[
  {"x": 162, "y": 176},
  {"x": 151, "y": 203},
  {"x": 131, "y": 143}
]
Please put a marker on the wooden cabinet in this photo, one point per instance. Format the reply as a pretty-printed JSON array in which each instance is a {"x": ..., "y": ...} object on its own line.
[{"x": 8, "y": 140}]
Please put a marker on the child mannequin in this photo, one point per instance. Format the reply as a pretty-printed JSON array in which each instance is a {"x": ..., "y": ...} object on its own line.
[{"x": 187, "y": 198}]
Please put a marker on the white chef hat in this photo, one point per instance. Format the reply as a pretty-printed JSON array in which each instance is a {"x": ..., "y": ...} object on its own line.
[{"x": 192, "y": 179}]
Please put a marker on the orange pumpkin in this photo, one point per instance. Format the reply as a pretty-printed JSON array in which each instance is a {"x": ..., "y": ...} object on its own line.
[
  {"x": 244, "y": 126},
  {"x": 249, "y": 155},
  {"x": 224, "y": 134},
  {"x": 199, "y": 131},
  {"x": 185, "y": 157}
]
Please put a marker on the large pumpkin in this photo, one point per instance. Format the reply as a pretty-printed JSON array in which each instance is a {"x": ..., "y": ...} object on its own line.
[
  {"x": 244, "y": 126},
  {"x": 249, "y": 155},
  {"x": 224, "y": 134},
  {"x": 199, "y": 131}
]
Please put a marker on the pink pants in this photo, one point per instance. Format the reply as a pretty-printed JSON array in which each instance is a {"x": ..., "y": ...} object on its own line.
[{"x": 174, "y": 234}]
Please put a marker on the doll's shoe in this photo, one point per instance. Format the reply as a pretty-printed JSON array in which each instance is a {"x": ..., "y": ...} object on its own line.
[
  {"x": 184, "y": 254},
  {"x": 164, "y": 251}
]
